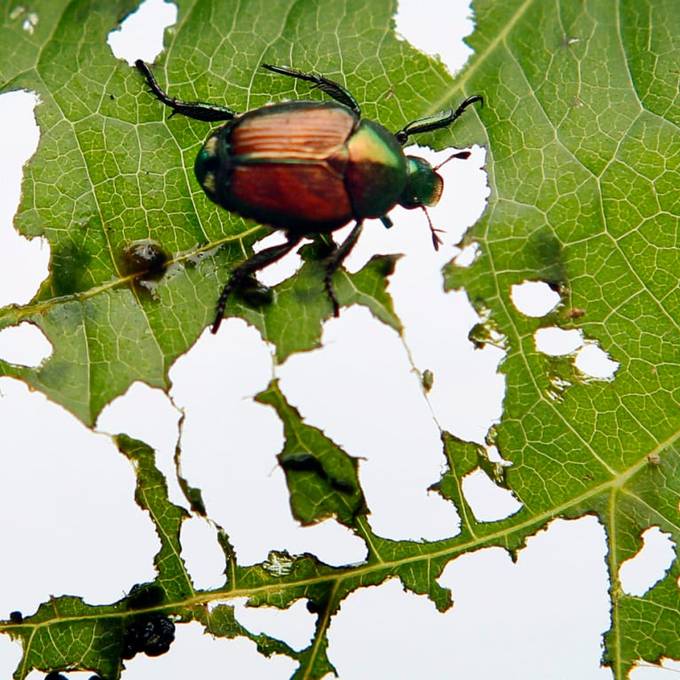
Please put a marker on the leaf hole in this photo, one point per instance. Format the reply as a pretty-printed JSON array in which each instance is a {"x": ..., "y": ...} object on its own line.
[
  {"x": 643, "y": 670},
  {"x": 589, "y": 358},
  {"x": 140, "y": 34},
  {"x": 639, "y": 573},
  {"x": 368, "y": 386},
  {"x": 443, "y": 37},
  {"x": 595, "y": 362},
  {"x": 467, "y": 255},
  {"x": 25, "y": 345},
  {"x": 279, "y": 271},
  {"x": 192, "y": 648},
  {"x": 147, "y": 413},
  {"x": 73, "y": 479},
  {"x": 202, "y": 554},
  {"x": 23, "y": 262},
  {"x": 534, "y": 298},
  {"x": 247, "y": 493},
  {"x": 488, "y": 501},
  {"x": 557, "y": 341},
  {"x": 294, "y": 625},
  {"x": 494, "y": 455}
]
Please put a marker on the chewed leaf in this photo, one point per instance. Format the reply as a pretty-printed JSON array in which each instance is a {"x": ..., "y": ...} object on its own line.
[
  {"x": 580, "y": 126},
  {"x": 322, "y": 479}
]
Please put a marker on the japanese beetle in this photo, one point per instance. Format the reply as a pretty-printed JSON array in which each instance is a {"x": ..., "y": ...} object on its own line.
[{"x": 309, "y": 167}]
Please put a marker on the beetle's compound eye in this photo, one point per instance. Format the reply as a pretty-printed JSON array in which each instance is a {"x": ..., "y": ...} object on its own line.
[
  {"x": 423, "y": 187},
  {"x": 207, "y": 164}
]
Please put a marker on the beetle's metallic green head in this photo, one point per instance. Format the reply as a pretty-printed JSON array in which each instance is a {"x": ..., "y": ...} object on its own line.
[
  {"x": 207, "y": 165},
  {"x": 424, "y": 184}
]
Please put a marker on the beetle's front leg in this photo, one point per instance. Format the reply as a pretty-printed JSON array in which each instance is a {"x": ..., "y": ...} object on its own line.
[
  {"x": 248, "y": 268},
  {"x": 335, "y": 259},
  {"x": 197, "y": 110}
]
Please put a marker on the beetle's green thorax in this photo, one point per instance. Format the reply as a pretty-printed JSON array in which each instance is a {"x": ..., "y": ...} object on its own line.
[
  {"x": 424, "y": 184},
  {"x": 376, "y": 171}
]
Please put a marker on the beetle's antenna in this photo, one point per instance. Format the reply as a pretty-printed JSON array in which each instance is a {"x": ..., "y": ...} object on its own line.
[
  {"x": 436, "y": 241},
  {"x": 463, "y": 155}
]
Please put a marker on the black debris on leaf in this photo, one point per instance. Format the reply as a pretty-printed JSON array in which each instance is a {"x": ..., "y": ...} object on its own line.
[
  {"x": 151, "y": 634},
  {"x": 317, "y": 606},
  {"x": 144, "y": 596}
]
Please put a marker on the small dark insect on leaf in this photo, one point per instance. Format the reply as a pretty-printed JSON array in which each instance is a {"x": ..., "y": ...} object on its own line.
[
  {"x": 575, "y": 313},
  {"x": 16, "y": 617},
  {"x": 146, "y": 258}
]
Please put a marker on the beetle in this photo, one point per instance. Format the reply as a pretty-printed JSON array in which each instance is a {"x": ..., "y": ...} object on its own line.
[{"x": 309, "y": 167}]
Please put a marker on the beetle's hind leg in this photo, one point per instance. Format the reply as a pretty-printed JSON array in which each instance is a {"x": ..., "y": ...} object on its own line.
[
  {"x": 197, "y": 110},
  {"x": 330, "y": 87},
  {"x": 335, "y": 259},
  {"x": 239, "y": 275}
]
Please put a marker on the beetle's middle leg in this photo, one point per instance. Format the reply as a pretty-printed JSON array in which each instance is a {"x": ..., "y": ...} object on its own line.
[
  {"x": 258, "y": 261},
  {"x": 335, "y": 259},
  {"x": 197, "y": 110}
]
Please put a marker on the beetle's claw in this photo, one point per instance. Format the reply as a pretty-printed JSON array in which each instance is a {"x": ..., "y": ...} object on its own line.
[{"x": 436, "y": 241}]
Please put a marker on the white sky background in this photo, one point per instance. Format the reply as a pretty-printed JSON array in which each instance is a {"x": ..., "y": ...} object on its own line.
[{"x": 540, "y": 618}]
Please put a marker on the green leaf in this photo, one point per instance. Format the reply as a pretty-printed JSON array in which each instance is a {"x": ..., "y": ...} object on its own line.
[
  {"x": 293, "y": 321},
  {"x": 112, "y": 168},
  {"x": 584, "y": 148},
  {"x": 152, "y": 495},
  {"x": 65, "y": 632},
  {"x": 322, "y": 478},
  {"x": 581, "y": 128}
]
